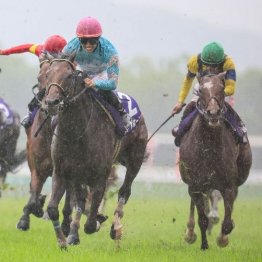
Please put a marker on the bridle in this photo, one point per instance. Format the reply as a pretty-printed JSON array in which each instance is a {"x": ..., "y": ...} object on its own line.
[
  {"x": 67, "y": 100},
  {"x": 203, "y": 109}
]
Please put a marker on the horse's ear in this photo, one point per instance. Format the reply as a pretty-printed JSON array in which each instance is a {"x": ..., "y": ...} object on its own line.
[
  {"x": 48, "y": 56},
  {"x": 222, "y": 75},
  {"x": 70, "y": 57}
]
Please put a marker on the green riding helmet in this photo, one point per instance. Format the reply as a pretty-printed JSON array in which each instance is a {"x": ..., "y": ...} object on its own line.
[{"x": 213, "y": 53}]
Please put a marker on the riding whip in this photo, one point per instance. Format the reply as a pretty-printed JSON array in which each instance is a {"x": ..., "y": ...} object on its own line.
[{"x": 163, "y": 124}]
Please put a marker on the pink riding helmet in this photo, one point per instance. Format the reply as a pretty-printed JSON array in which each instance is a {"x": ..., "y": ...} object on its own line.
[{"x": 88, "y": 27}]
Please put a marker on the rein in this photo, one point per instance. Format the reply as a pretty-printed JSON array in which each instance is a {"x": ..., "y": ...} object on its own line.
[{"x": 68, "y": 101}]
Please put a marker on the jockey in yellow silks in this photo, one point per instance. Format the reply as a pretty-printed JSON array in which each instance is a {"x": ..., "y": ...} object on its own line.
[{"x": 212, "y": 60}]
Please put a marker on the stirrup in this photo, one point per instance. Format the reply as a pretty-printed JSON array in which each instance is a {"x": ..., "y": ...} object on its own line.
[
  {"x": 26, "y": 122},
  {"x": 174, "y": 131}
]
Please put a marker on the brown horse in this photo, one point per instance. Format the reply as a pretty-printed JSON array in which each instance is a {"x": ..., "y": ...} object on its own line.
[
  {"x": 9, "y": 134},
  {"x": 84, "y": 148},
  {"x": 211, "y": 159},
  {"x": 40, "y": 162}
]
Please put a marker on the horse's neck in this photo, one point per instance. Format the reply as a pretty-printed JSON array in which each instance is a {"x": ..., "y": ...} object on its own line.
[
  {"x": 208, "y": 135},
  {"x": 76, "y": 117}
]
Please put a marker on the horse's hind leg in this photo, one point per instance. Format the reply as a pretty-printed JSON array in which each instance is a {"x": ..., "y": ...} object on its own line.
[
  {"x": 213, "y": 216},
  {"x": 35, "y": 203},
  {"x": 123, "y": 196},
  {"x": 198, "y": 199},
  {"x": 229, "y": 196},
  {"x": 190, "y": 236},
  {"x": 80, "y": 193}
]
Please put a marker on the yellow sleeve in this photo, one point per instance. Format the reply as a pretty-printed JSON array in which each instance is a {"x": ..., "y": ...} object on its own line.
[
  {"x": 230, "y": 82},
  {"x": 192, "y": 67},
  {"x": 230, "y": 86}
]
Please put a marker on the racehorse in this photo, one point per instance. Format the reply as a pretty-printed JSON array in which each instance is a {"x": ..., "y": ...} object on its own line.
[
  {"x": 9, "y": 134},
  {"x": 210, "y": 158},
  {"x": 39, "y": 160},
  {"x": 85, "y": 146}
]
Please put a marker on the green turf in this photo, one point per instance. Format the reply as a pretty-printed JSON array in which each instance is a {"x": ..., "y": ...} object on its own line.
[{"x": 154, "y": 224}]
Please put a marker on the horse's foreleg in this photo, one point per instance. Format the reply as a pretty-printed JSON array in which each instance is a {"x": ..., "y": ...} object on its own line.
[
  {"x": 67, "y": 214},
  {"x": 229, "y": 196},
  {"x": 198, "y": 199},
  {"x": 190, "y": 236},
  {"x": 58, "y": 190},
  {"x": 94, "y": 221}
]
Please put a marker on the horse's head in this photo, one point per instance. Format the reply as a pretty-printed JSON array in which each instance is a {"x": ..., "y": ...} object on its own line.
[
  {"x": 61, "y": 83},
  {"x": 211, "y": 103}
]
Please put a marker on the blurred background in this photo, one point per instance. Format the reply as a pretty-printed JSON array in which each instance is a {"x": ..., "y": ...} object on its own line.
[{"x": 154, "y": 40}]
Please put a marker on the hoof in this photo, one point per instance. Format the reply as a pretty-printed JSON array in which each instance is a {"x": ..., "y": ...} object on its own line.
[
  {"x": 63, "y": 247},
  {"x": 116, "y": 234},
  {"x": 204, "y": 246},
  {"x": 38, "y": 212},
  {"x": 73, "y": 240},
  {"x": 190, "y": 238},
  {"x": 23, "y": 225},
  {"x": 101, "y": 218},
  {"x": 222, "y": 240}
]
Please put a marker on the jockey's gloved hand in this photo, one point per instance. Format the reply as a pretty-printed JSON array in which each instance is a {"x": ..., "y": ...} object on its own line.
[{"x": 177, "y": 108}]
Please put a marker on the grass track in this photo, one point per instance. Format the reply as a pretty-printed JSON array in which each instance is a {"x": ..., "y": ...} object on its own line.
[{"x": 154, "y": 224}]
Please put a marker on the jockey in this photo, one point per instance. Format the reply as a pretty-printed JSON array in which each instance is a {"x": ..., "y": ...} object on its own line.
[
  {"x": 98, "y": 59},
  {"x": 53, "y": 44},
  {"x": 212, "y": 60}
]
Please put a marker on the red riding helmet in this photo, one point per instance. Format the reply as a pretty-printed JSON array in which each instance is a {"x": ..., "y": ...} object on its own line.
[
  {"x": 88, "y": 27},
  {"x": 54, "y": 44}
]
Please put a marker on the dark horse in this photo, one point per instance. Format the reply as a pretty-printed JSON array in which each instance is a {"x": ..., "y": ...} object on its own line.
[
  {"x": 39, "y": 160},
  {"x": 9, "y": 134},
  {"x": 84, "y": 148},
  {"x": 211, "y": 159}
]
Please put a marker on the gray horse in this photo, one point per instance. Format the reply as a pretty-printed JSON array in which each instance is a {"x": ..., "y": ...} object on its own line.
[{"x": 84, "y": 148}]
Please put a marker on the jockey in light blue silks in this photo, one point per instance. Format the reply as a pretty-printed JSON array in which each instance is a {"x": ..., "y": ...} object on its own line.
[{"x": 98, "y": 59}]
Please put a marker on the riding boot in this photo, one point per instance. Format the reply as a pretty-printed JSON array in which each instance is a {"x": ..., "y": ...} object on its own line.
[
  {"x": 112, "y": 99},
  {"x": 237, "y": 124},
  {"x": 189, "y": 108},
  {"x": 32, "y": 106}
]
